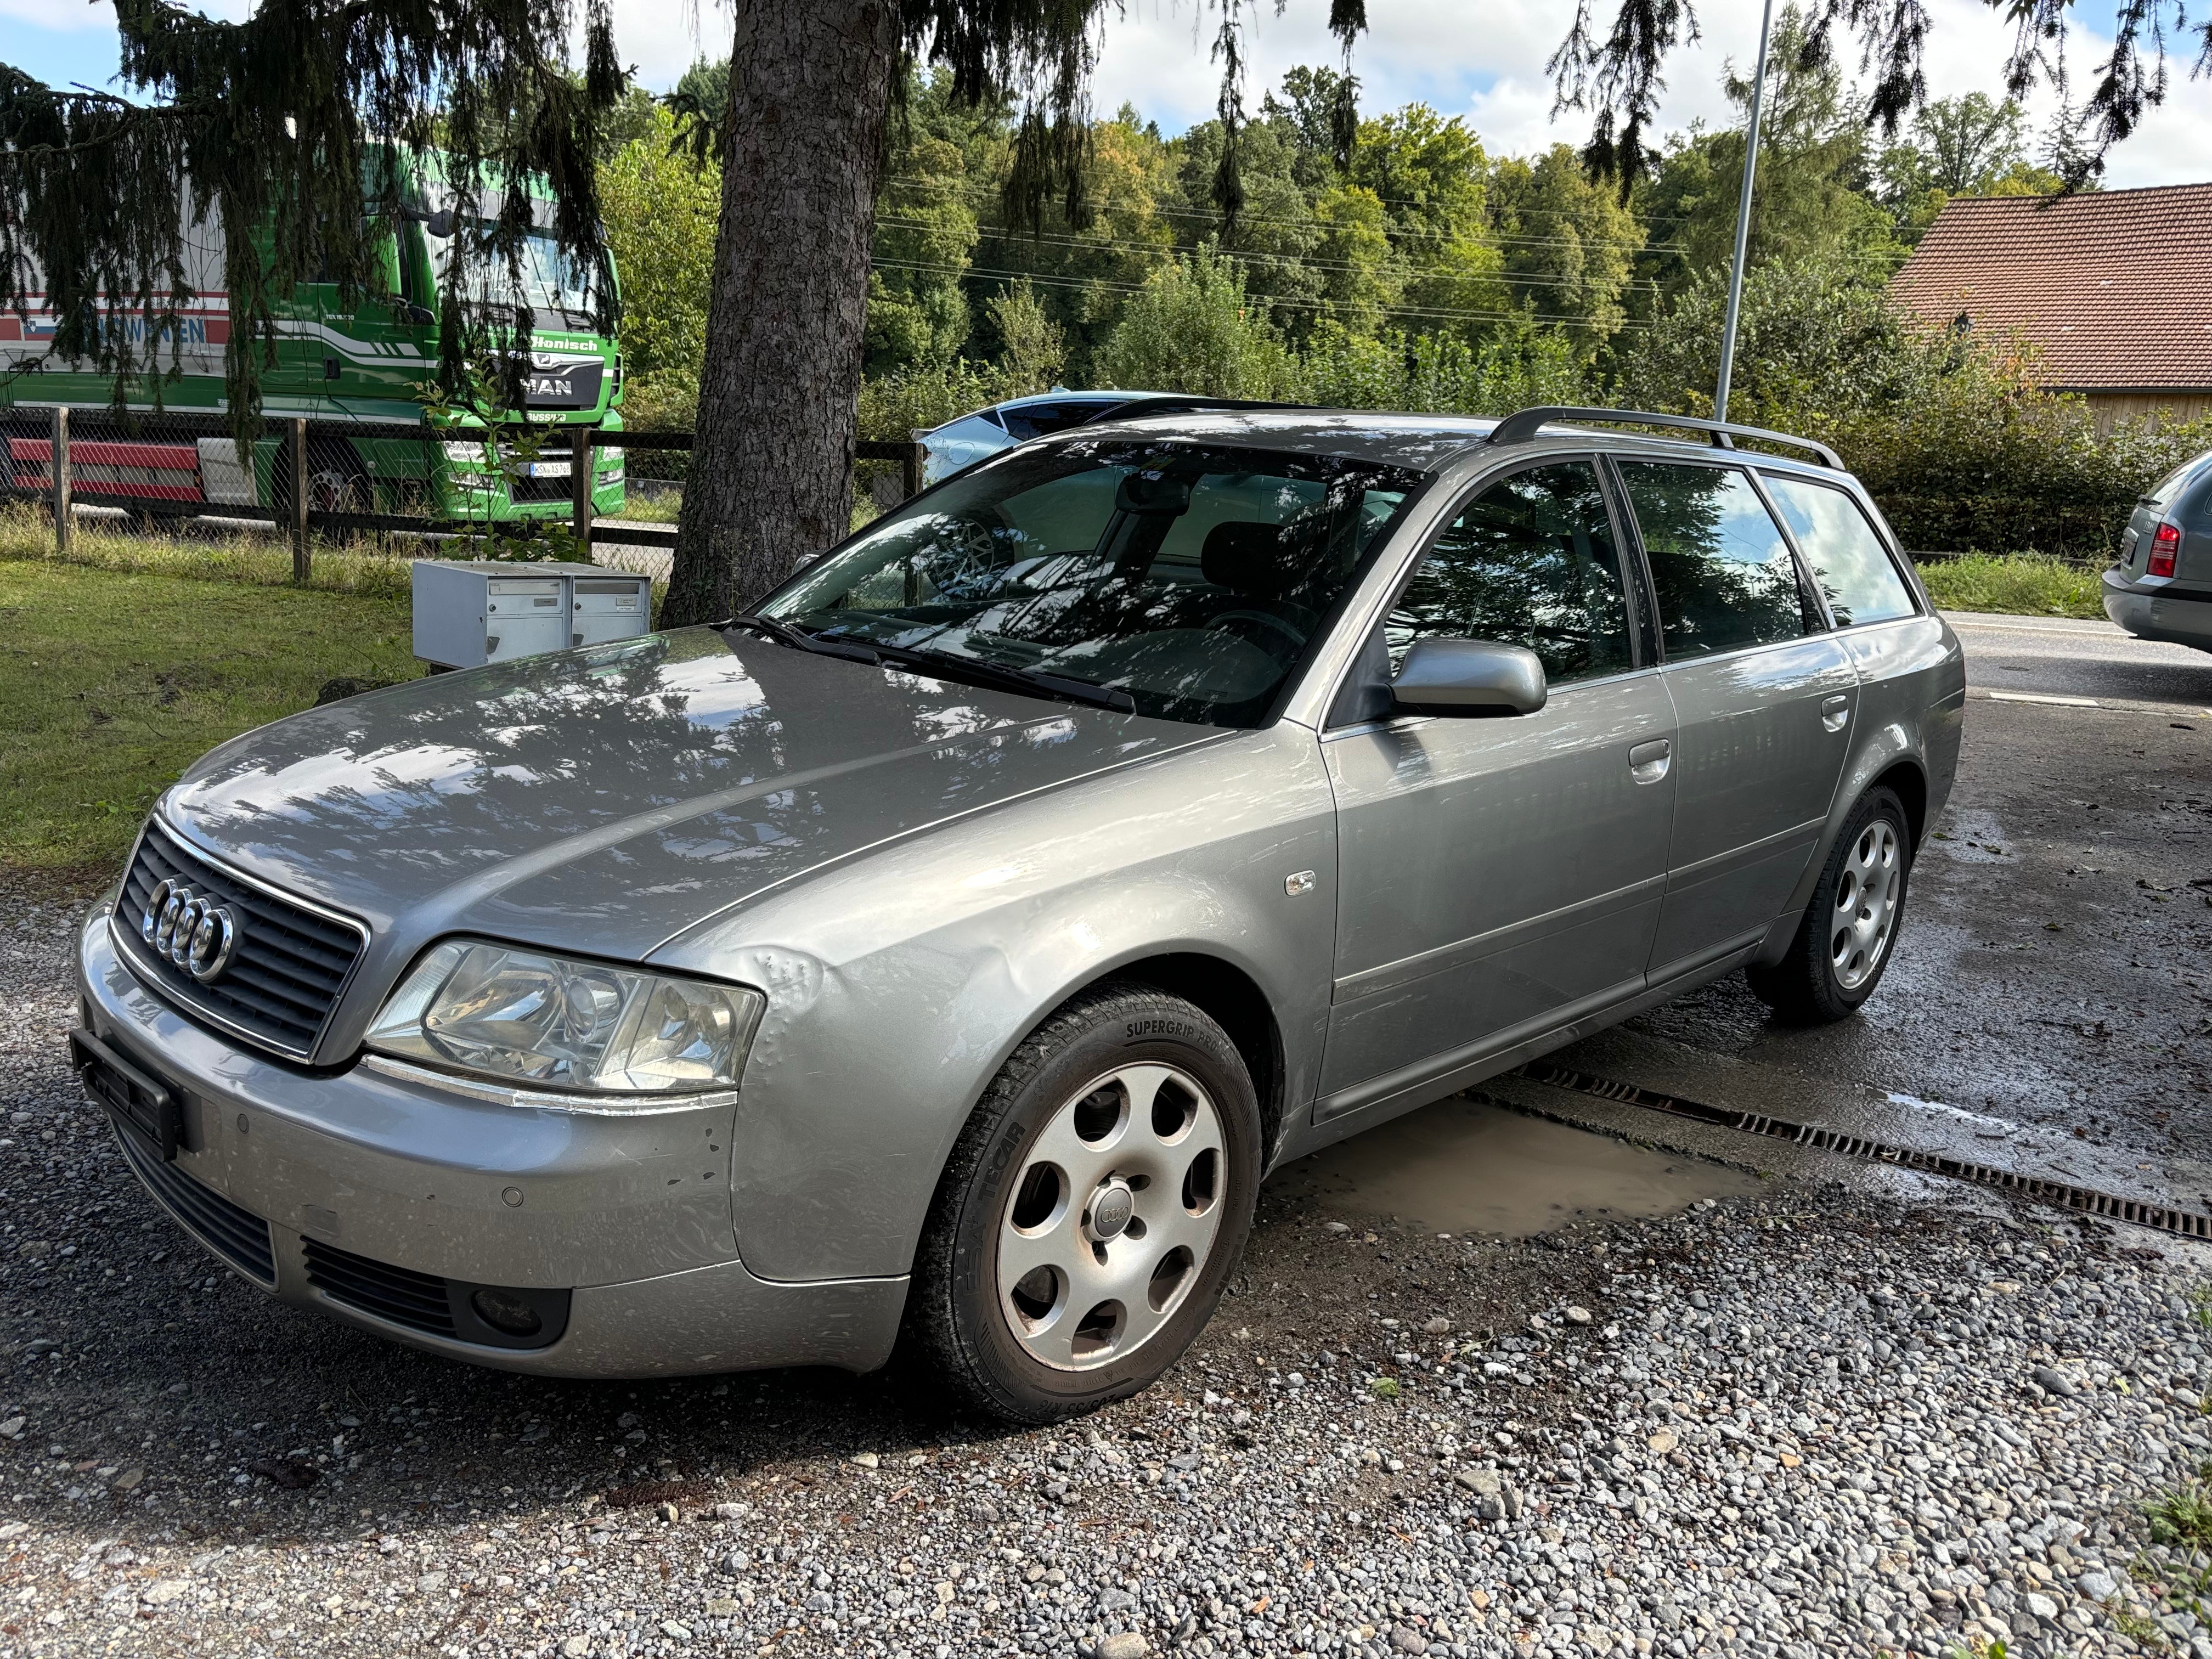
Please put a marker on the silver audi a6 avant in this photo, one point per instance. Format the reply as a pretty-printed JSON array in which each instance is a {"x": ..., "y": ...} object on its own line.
[{"x": 945, "y": 952}]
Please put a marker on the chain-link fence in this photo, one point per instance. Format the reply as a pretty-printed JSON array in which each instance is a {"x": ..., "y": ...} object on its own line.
[{"x": 521, "y": 491}]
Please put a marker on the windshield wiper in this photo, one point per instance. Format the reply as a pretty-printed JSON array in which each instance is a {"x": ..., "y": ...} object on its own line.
[
  {"x": 943, "y": 664},
  {"x": 1006, "y": 677},
  {"x": 799, "y": 640}
]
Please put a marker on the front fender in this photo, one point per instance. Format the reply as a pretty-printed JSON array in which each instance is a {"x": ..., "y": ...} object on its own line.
[{"x": 899, "y": 984}]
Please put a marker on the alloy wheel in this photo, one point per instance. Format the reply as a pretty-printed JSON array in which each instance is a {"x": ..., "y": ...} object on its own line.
[
  {"x": 1865, "y": 914},
  {"x": 1111, "y": 1217}
]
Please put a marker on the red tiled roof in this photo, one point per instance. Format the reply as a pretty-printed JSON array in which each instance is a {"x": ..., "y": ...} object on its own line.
[{"x": 2115, "y": 286}]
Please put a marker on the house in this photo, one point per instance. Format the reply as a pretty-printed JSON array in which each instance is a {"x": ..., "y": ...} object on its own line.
[{"x": 2114, "y": 287}]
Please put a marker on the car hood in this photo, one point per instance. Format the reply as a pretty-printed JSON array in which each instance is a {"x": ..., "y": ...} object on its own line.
[{"x": 606, "y": 800}]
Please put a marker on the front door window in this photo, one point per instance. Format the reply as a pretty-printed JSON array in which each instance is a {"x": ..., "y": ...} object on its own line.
[{"x": 1531, "y": 562}]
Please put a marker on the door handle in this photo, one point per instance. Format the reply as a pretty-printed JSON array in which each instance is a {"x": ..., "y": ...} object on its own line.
[
  {"x": 1648, "y": 762},
  {"x": 1835, "y": 712}
]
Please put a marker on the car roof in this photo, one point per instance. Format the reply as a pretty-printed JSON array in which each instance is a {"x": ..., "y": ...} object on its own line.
[
  {"x": 1425, "y": 443},
  {"x": 1078, "y": 398}
]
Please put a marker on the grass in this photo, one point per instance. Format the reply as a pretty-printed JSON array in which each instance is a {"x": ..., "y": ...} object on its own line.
[
  {"x": 365, "y": 567},
  {"x": 650, "y": 509},
  {"x": 2017, "y": 584},
  {"x": 2182, "y": 1515},
  {"x": 118, "y": 669}
]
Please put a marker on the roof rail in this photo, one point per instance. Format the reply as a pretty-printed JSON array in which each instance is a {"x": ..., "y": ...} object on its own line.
[{"x": 1523, "y": 424}]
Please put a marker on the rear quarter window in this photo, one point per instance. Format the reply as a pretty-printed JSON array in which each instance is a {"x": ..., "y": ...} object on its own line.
[{"x": 1847, "y": 557}]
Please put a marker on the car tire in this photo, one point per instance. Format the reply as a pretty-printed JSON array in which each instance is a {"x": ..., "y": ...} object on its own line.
[
  {"x": 1843, "y": 946},
  {"x": 1092, "y": 1210}
]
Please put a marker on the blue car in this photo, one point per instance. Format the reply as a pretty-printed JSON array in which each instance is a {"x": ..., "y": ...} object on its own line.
[{"x": 986, "y": 432}]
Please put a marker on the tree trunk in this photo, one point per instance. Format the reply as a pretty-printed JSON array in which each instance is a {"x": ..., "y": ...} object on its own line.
[{"x": 772, "y": 459}]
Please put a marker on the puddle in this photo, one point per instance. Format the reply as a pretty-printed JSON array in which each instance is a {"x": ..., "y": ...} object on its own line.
[{"x": 1465, "y": 1166}]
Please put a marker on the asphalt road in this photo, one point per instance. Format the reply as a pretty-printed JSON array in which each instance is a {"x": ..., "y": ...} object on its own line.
[{"x": 2057, "y": 656}]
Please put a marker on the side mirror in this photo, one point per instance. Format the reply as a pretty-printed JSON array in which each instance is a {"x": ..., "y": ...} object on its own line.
[
  {"x": 440, "y": 224},
  {"x": 1469, "y": 676}
]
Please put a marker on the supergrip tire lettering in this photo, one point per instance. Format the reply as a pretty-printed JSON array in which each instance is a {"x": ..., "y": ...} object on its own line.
[{"x": 1145, "y": 1028}]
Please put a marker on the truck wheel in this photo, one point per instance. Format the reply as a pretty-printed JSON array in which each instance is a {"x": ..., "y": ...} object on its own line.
[
  {"x": 336, "y": 483},
  {"x": 1092, "y": 1210},
  {"x": 1849, "y": 930}
]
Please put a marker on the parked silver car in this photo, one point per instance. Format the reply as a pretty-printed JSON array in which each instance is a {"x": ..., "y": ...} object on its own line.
[
  {"x": 952, "y": 947},
  {"x": 2162, "y": 587}
]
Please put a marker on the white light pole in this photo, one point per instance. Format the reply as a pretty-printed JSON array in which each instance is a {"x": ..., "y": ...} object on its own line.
[{"x": 1743, "y": 218}]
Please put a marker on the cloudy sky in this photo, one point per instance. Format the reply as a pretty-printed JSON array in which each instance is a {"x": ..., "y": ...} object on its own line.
[{"x": 1486, "y": 63}]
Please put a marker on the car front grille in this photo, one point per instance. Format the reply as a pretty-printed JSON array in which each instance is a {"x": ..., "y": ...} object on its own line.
[
  {"x": 238, "y": 1236},
  {"x": 418, "y": 1301},
  {"x": 290, "y": 963},
  {"x": 539, "y": 489}
]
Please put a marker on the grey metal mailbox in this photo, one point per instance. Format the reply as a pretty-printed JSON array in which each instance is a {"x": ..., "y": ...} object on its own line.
[
  {"x": 610, "y": 607},
  {"x": 470, "y": 613}
]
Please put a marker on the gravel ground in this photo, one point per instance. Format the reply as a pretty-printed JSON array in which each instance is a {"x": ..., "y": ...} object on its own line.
[{"x": 1799, "y": 1422}]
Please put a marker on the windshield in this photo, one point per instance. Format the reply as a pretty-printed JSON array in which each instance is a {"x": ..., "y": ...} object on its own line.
[
  {"x": 1194, "y": 578},
  {"x": 549, "y": 282}
]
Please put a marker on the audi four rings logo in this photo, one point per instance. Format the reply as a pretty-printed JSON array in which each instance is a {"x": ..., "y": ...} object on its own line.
[{"x": 197, "y": 935}]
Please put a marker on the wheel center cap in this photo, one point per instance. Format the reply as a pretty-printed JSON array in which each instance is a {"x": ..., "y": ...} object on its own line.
[{"x": 1111, "y": 1206}]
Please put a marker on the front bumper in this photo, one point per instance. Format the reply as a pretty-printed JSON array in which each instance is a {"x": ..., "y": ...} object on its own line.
[
  {"x": 2154, "y": 614},
  {"x": 401, "y": 1183}
]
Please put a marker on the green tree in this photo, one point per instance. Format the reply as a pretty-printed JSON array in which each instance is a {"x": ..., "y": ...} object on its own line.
[
  {"x": 1973, "y": 145},
  {"x": 1809, "y": 200},
  {"x": 1031, "y": 348},
  {"x": 1360, "y": 274},
  {"x": 1317, "y": 119},
  {"x": 1080, "y": 269},
  {"x": 1816, "y": 343},
  {"x": 943, "y": 154},
  {"x": 1193, "y": 329},
  {"x": 1567, "y": 243},
  {"x": 659, "y": 210}
]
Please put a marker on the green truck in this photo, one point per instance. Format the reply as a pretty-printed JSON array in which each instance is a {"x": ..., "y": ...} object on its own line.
[{"x": 356, "y": 373}]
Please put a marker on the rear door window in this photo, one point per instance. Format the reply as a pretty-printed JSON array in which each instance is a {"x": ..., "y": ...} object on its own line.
[
  {"x": 1849, "y": 561},
  {"x": 1720, "y": 572},
  {"x": 1532, "y": 561}
]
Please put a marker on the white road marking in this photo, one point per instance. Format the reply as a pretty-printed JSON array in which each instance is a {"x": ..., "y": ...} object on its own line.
[{"x": 2031, "y": 697}]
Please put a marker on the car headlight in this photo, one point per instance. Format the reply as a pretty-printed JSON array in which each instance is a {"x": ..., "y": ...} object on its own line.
[{"x": 500, "y": 1011}]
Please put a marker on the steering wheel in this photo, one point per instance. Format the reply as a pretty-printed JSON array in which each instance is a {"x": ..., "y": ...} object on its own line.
[
  {"x": 1276, "y": 625},
  {"x": 963, "y": 551}
]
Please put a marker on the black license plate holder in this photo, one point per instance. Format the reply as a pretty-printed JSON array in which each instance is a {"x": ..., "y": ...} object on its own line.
[{"x": 140, "y": 1103}]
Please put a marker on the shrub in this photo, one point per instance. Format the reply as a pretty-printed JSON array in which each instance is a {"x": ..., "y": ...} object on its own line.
[
  {"x": 1951, "y": 434},
  {"x": 1192, "y": 328},
  {"x": 1441, "y": 374},
  {"x": 1982, "y": 461}
]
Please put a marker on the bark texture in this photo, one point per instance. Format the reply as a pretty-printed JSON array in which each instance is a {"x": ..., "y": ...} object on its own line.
[{"x": 771, "y": 463}]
